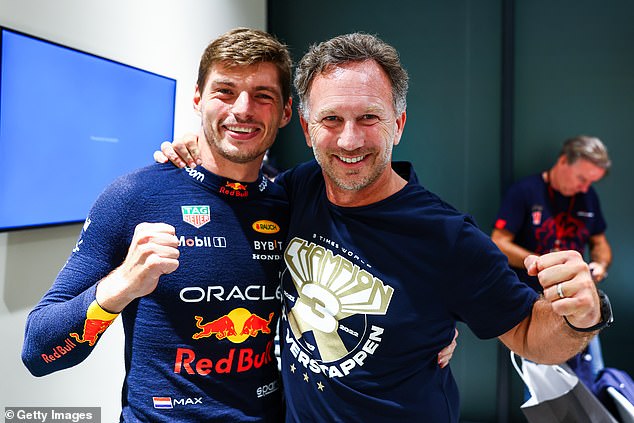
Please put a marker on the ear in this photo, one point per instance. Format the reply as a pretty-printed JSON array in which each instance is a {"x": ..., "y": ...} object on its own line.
[
  {"x": 288, "y": 113},
  {"x": 196, "y": 101},
  {"x": 400, "y": 126},
  {"x": 304, "y": 124}
]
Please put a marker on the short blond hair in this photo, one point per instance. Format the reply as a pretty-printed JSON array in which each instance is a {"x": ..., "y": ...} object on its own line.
[{"x": 588, "y": 148}]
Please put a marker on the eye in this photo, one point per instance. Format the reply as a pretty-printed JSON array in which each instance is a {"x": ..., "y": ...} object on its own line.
[
  {"x": 330, "y": 121},
  {"x": 369, "y": 119},
  {"x": 224, "y": 91},
  {"x": 264, "y": 97}
]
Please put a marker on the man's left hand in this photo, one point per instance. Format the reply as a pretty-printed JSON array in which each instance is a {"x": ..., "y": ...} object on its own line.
[{"x": 568, "y": 285}]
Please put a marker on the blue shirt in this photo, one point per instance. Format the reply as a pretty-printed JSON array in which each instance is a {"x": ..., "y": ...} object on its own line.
[
  {"x": 201, "y": 346},
  {"x": 371, "y": 294},
  {"x": 543, "y": 220}
]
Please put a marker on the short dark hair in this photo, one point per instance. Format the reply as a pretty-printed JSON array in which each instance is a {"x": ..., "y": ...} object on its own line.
[{"x": 355, "y": 47}]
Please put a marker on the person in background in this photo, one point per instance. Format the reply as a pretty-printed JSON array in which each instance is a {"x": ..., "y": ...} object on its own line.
[
  {"x": 558, "y": 209},
  {"x": 379, "y": 269}
]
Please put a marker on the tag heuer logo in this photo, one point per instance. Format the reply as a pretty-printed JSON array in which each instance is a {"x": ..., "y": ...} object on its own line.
[{"x": 196, "y": 215}]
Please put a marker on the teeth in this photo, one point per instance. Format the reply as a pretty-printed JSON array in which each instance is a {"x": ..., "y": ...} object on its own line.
[
  {"x": 351, "y": 159},
  {"x": 241, "y": 129}
]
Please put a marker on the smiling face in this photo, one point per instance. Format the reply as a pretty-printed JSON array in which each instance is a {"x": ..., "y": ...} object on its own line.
[
  {"x": 241, "y": 108},
  {"x": 351, "y": 125}
]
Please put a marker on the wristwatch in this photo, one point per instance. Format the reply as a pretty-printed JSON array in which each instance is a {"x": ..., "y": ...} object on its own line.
[{"x": 606, "y": 315}]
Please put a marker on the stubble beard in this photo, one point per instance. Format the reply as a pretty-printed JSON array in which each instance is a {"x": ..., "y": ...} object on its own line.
[
  {"x": 342, "y": 182},
  {"x": 234, "y": 155}
]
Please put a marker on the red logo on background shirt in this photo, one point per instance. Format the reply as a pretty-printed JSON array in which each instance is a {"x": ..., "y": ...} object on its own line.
[
  {"x": 500, "y": 224},
  {"x": 537, "y": 217}
]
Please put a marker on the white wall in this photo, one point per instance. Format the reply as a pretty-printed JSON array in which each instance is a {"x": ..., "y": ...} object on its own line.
[{"x": 162, "y": 36}]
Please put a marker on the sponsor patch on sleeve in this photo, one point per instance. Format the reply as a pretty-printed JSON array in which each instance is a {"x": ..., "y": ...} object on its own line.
[{"x": 500, "y": 224}]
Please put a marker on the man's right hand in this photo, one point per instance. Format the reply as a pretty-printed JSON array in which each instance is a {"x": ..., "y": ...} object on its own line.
[
  {"x": 152, "y": 253},
  {"x": 181, "y": 152}
]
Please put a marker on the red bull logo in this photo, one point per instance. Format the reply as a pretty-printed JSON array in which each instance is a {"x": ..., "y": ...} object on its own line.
[
  {"x": 221, "y": 327},
  {"x": 92, "y": 329},
  {"x": 236, "y": 326},
  {"x": 255, "y": 324},
  {"x": 59, "y": 351},
  {"x": 236, "y": 186},
  {"x": 97, "y": 321},
  {"x": 234, "y": 189},
  {"x": 237, "y": 360}
]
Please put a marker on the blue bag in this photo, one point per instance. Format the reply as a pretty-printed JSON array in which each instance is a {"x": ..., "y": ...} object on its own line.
[{"x": 613, "y": 378}]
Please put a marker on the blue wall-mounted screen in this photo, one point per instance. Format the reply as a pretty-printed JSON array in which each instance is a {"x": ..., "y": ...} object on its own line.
[{"x": 70, "y": 123}]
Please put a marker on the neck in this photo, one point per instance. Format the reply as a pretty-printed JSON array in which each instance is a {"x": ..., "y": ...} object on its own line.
[
  {"x": 386, "y": 185},
  {"x": 221, "y": 166},
  {"x": 550, "y": 178}
]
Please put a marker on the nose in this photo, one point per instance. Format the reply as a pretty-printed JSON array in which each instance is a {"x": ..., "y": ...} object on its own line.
[
  {"x": 242, "y": 107},
  {"x": 350, "y": 137}
]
